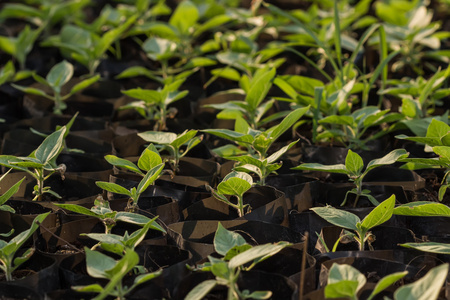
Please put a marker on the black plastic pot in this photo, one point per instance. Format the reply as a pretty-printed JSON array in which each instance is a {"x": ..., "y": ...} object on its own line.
[
  {"x": 197, "y": 236},
  {"x": 267, "y": 205}
]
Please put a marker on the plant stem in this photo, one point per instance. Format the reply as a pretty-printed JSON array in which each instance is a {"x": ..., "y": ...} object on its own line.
[{"x": 241, "y": 206}]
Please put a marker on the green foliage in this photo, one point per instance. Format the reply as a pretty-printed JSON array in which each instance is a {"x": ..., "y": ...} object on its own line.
[
  {"x": 350, "y": 221},
  {"x": 102, "y": 266},
  {"x": 177, "y": 145},
  {"x": 344, "y": 281},
  {"x": 237, "y": 256},
  {"x": 56, "y": 78},
  {"x": 41, "y": 163},
  {"x": 154, "y": 104},
  {"x": 257, "y": 142},
  {"x": 234, "y": 184},
  {"x": 353, "y": 168},
  {"x": 10, "y": 258}
]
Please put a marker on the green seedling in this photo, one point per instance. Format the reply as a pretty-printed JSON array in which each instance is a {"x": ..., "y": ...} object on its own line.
[
  {"x": 234, "y": 184},
  {"x": 56, "y": 78},
  {"x": 347, "y": 220},
  {"x": 353, "y": 168},
  {"x": 344, "y": 281},
  {"x": 177, "y": 145},
  {"x": 256, "y": 159},
  {"x": 154, "y": 104},
  {"x": 121, "y": 244},
  {"x": 109, "y": 217},
  {"x": 84, "y": 46},
  {"x": 9, "y": 261},
  {"x": 7, "y": 195},
  {"x": 19, "y": 47},
  {"x": 252, "y": 108},
  {"x": 237, "y": 256},
  {"x": 351, "y": 129},
  {"x": 41, "y": 163},
  {"x": 102, "y": 266}
]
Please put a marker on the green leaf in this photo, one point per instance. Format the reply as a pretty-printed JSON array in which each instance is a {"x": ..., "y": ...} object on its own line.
[
  {"x": 259, "y": 88},
  {"x": 443, "y": 152},
  {"x": 185, "y": 16},
  {"x": 388, "y": 159},
  {"x": 78, "y": 209},
  {"x": 255, "y": 253},
  {"x": 342, "y": 272},
  {"x": 338, "y": 217},
  {"x": 97, "y": 263},
  {"x": 149, "y": 158},
  {"x": 59, "y": 75},
  {"x": 339, "y": 168},
  {"x": 426, "y": 288},
  {"x": 380, "y": 214},
  {"x": 339, "y": 120},
  {"x": 51, "y": 146},
  {"x": 84, "y": 84},
  {"x": 354, "y": 163},
  {"x": 149, "y": 178},
  {"x": 201, "y": 290},
  {"x": 30, "y": 90},
  {"x": 275, "y": 156},
  {"x": 422, "y": 209},
  {"x": 113, "y": 188},
  {"x": 231, "y": 135},
  {"x": 288, "y": 122},
  {"x": 92, "y": 288},
  {"x": 259, "y": 295},
  {"x": 183, "y": 138},
  {"x": 149, "y": 96},
  {"x": 224, "y": 240},
  {"x": 431, "y": 247},
  {"x": 146, "y": 277},
  {"x": 122, "y": 163},
  {"x": 386, "y": 282},
  {"x": 10, "y": 192},
  {"x": 235, "y": 183},
  {"x": 157, "y": 137},
  {"x": 341, "y": 289}
]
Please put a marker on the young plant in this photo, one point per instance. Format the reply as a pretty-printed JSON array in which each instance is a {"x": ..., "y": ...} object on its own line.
[
  {"x": 56, "y": 78},
  {"x": 256, "y": 159},
  {"x": 252, "y": 108},
  {"x": 353, "y": 168},
  {"x": 154, "y": 104},
  {"x": 19, "y": 47},
  {"x": 7, "y": 195},
  {"x": 347, "y": 220},
  {"x": 344, "y": 281},
  {"x": 237, "y": 256},
  {"x": 84, "y": 46},
  {"x": 102, "y": 266},
  {"x": 173, "y": 143},
  {"x": 41, "y": 163},
  {"x": 8, "y": 250},
  {"x": 109, "y": 217},
  {"x": 234, "y": 184}
]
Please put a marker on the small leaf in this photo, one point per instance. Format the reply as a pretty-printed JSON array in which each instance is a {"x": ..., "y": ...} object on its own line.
[
  {"x": 235, "y": 183},
  {"x": 431, "y": 247},
  {"x": 341, "y": 289},
  {"x": 380, "y": 214},
  {"x": 157, "y": 137},
  {"x": 113, "y": 188},
  {"x": 426, "y": 288},
  {"x": 342, "y": 272},
  {"x": 422, "y": 209},
  {"x": 225, "y": 240},
  {"x": 77, "y": 209},
  {"x": 149, "y": 178},
  {"x": 354, "y": 163},
  {"x": 255, "y": 253},
  {"x": 84, "y": 84},
  {"x": 59, "y": 75},
  {"x": 51, "y": 146},
  {"x": 149, "y": 158},
  {"x": 388, "y": 159},
  {"x": 122, "y": 163},
  {"x": 387, "y": 281},
  {"x": 339, "y": 168},
  {"x": 201, "y": 290},
  {"x": 338, "y": 217}
]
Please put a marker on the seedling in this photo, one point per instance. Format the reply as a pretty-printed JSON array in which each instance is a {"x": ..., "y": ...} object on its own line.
[
  {"x": 154, "y": 104},
  {"x": 353, "y": 168},
  {"x": 102, "y": 266},
  {"x": 41, "y": 163},
  {"x": 56, "y": 78},
  {"x": 109, "y": 217},
  {"x": 347, "y": 220},
  {"x": 237, "y": 256},
  {"x": 173, "y": 143},
  {"x": 234, "y": 184},
  {"x": 344, "y": 281},
  {"x": 7, "y": 195},
  {"x": 84, "y": 46},
  {"x": 8, "y": 250},
  {"x": 19, "y": 47},
  {"x": 256, "y": 160}
]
